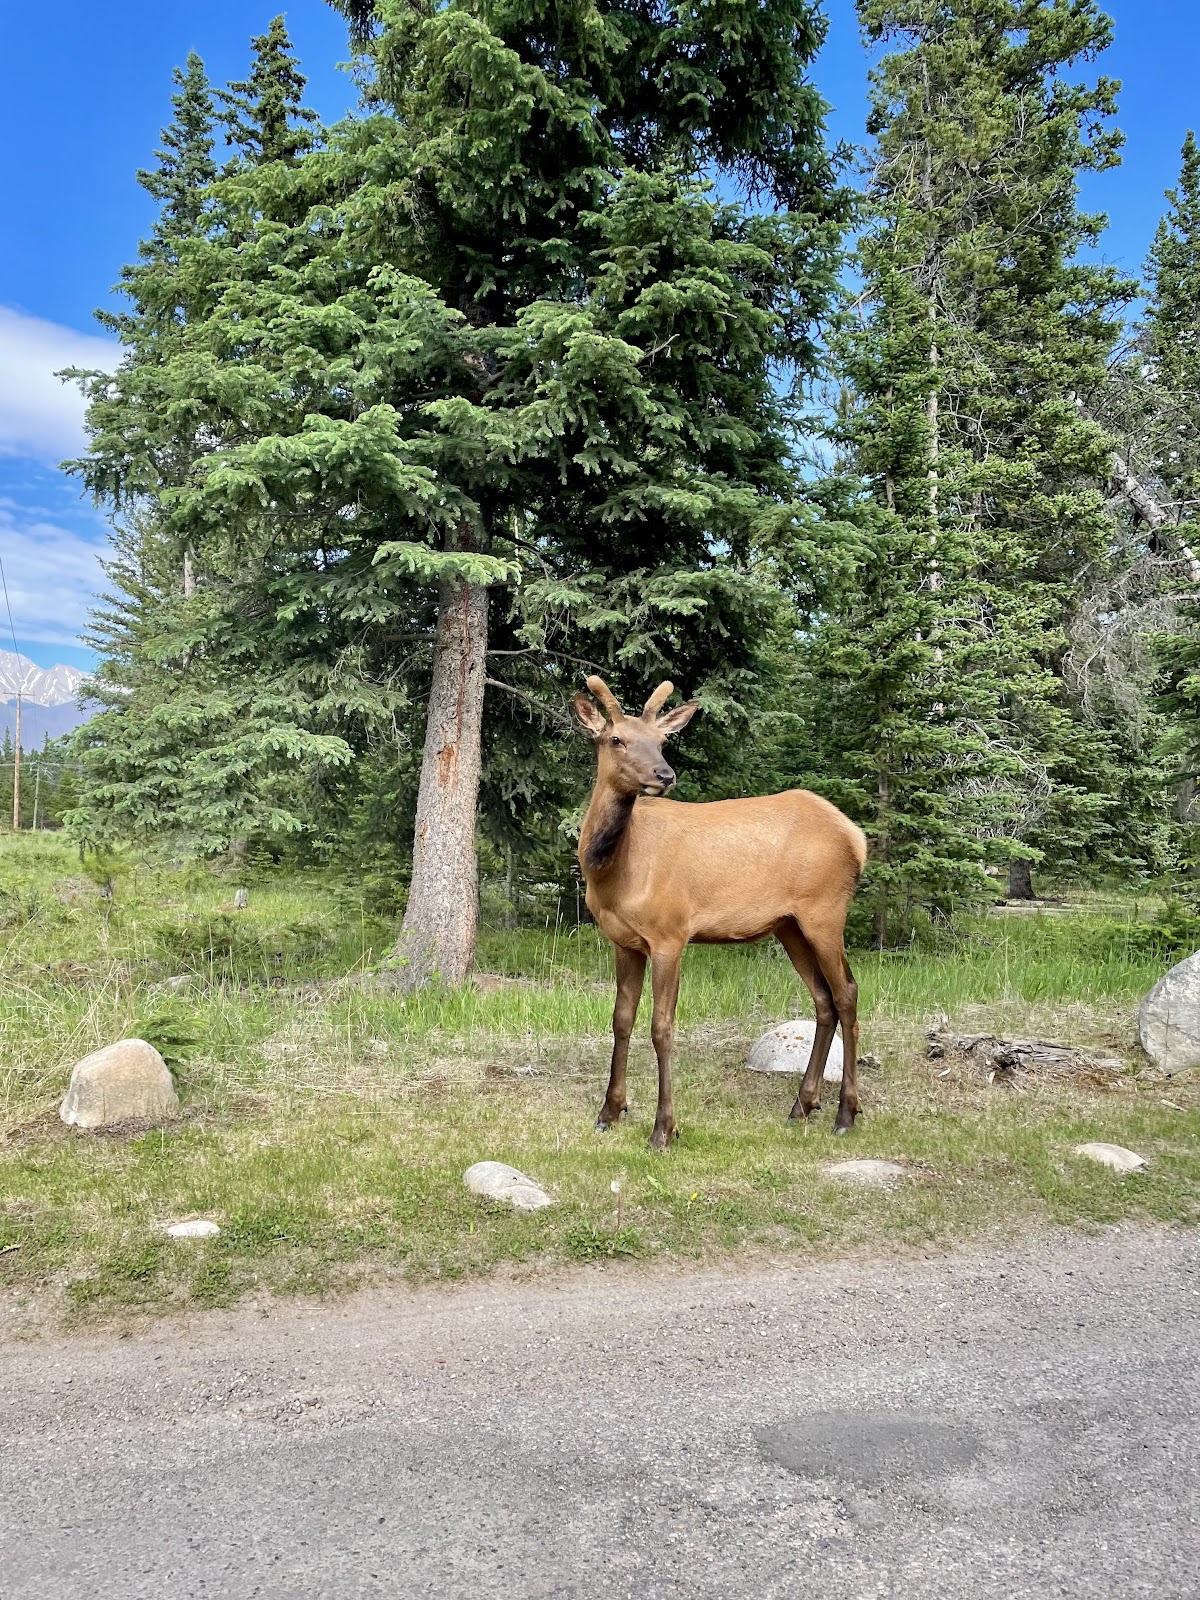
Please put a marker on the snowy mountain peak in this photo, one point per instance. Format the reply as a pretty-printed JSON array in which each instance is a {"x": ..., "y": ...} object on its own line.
[{"x": 41, "y": 686}]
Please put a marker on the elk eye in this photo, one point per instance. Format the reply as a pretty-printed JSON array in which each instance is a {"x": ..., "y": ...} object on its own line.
[{"x": 619, "y": 743}]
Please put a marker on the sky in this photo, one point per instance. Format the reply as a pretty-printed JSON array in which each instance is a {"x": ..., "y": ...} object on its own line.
[{"x": 81, "y": 106}]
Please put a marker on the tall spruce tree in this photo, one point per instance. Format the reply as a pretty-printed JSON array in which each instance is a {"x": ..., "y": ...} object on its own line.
[
  {"x": 200, "y": 736},
  {"x": 974, "y": 480},
  {"x": 265, "y": 116},
  {"x": 494, "y": 370},
  {"x": 1161, "y": 407}
]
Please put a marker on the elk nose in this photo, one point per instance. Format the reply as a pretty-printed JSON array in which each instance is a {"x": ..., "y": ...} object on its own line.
[{"x": 665, "y": 776}]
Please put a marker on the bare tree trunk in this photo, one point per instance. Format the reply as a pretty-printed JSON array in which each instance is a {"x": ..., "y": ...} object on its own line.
[
  {"x": 189, "y": 572},
  {"x": 440, "y": 921},
  {"x": 1020, "y": 880}
]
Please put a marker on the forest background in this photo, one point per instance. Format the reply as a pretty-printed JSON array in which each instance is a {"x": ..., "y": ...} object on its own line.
[{"x": 578, "y": 347}]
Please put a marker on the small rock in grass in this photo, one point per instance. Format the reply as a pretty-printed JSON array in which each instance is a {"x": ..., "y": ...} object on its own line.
[
  {"x": 788, "y": 1047},
  {"x": 492, "y": 1180},
  {"x": 866, "y": 1172},
  {"x": 125, "y": 1082},
  {"x": 198, "y": 1228},
  {"x": 1112, "y": 1155}
]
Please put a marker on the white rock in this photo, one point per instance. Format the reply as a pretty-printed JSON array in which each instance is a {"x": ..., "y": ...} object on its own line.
[
  {"x": 492, "y": 1180},
  {"x": 867, "y": 1172},
  {"x": 125, "y": 1082},
  {"x": 1112, "y": 1155},
  {"x": 788, "y": 1047},
  {"x": 1169, "y": 1018},
  {"x": 200, "y": 1228}
]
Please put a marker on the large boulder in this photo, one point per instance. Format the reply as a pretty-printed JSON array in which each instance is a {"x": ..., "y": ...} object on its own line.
[
  {"x": 1169, "y": 1018},
  {"x": 125, "y": 1082},
  {"x": 788, "y": 1047}
]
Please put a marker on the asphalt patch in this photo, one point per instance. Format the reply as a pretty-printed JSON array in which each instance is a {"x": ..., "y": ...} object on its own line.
[{"x": 871, "y": 1452}]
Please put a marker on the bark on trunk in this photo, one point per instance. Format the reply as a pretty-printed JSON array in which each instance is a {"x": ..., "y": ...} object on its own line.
[
  {"x": 438, "y": 936},
  {"x": 1020, "y": 880}
]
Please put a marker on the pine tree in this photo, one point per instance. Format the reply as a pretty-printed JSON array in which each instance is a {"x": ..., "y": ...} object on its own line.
[
  {"x": 211, "y": 756},
  {"x": 947, "y": 719},
  {"x": 1160, "y": 407},
  {"x": 265, "y": 116},
  {"x": 489, "y": 381}
]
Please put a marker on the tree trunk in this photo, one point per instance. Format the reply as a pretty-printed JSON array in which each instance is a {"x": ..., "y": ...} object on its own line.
[
  {"x": 438, "y": 937},
  {"x": 1020, "y": 880}
]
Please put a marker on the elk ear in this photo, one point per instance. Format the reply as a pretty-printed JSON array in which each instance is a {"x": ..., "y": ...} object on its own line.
[
  {"x": 672, "y": 721},
  {"x": 592, "y": 719}
]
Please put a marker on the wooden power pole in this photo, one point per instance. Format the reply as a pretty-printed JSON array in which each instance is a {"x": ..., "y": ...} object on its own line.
[{"x": 17, "y": 770}]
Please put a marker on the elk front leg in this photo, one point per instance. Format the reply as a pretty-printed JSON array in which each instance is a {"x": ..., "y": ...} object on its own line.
[
  {"x": 664, "y": 978},
  {"x": 631, "y": 972}
]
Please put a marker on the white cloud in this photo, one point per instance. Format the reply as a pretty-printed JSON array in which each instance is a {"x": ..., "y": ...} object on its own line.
[
  {"x": 40, "y": 415},
  {"x": 53, "y": 577}
]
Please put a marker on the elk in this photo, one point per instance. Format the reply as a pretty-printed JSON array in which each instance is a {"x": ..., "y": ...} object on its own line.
[{"x": 662, "y": 874}]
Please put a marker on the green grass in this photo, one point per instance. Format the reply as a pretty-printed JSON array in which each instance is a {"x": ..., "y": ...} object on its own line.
[{"x": 327, "y": 1122}]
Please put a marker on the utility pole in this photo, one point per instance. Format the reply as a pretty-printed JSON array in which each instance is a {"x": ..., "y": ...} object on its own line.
[
  {"x": 37, "y": 789},
  {"x": 17, "y": 770}
]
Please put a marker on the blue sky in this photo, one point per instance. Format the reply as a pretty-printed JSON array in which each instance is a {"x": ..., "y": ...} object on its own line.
[{"x": 81, "y": 105}]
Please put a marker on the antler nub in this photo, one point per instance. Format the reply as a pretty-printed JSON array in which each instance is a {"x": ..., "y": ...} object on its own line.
[
  {"x": 605, "y": 695},
  {"x": 657, "y": 700}
]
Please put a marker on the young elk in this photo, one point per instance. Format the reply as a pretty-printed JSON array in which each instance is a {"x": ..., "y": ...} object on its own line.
[{"x": 661, "y": 874}]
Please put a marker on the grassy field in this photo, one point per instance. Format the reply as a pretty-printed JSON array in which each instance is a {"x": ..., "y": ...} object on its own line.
[{"x": 327, "y": 1122}]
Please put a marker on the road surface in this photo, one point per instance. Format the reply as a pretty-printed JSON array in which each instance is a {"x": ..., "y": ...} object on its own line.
[{"x": 1022, "y": 1421}]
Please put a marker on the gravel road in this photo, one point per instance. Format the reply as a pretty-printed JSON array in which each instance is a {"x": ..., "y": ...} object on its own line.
[{"x": 1007, "y": 1423}]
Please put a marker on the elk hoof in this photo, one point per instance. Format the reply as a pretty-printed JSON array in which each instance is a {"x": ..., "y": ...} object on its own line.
[
  {"x": 799, "y": 1114},
  {"x": 839, "y": 1128}
]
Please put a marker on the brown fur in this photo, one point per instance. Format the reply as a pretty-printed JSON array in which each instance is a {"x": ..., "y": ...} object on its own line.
[{"x": 662, "y": 874}]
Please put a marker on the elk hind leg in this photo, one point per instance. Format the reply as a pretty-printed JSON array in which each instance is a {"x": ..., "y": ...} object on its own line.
[
  {"x": 826, "y": 938},
  {"x": 631, "y": 973},
  {"x": 803, "y": 958}
]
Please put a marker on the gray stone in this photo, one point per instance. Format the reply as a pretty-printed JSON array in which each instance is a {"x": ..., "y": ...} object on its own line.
[
  {"x": 864, "y": 1171},
  {"x": 492, "y": 1180},
  {"x": 1112, "y": 1155},
  {"x": 1169, "y": 1018},
  {"x": 788, "y": 1047},
  {"x": 196, "y": 1228},
  {"x": 241, "y": 900},
  {"x": 125, "y": 1082}
]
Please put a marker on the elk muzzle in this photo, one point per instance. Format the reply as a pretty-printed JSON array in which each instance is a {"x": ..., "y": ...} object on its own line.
[{"x": 662, "y": 779}]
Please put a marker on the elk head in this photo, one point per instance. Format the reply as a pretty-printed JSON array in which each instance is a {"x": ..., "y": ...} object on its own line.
[{"x": 629, "y": 749}]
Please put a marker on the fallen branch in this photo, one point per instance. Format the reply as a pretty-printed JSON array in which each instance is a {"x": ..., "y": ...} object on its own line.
[{"x": 1003, "y": 1059}]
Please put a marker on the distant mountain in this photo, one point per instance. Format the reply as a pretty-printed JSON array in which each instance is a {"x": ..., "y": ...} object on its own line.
[
  {"x": 45, "y": 686},
  {"x": 49, "y": 699}
]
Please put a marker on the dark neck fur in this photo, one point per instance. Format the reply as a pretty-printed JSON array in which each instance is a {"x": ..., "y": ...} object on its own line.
[{"x": 612, "y": 818}]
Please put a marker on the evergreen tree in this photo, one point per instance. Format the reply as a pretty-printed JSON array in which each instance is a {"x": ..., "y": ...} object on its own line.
[
  {"x": 490, "y": 377},
  {"x": 944, "y": 719},
  {"x": 265, "y": 116},
  {"x": 1159, "y": 405}
]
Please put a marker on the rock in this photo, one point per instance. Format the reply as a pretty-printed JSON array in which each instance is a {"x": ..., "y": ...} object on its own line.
[
  {"x": 198, "y": 1228},
  {"x": 1112, "y": 1155},
  {"x": 492, "y": 1180},
  {"x": 867, "y": 1173},
  {"x": 788, "y": 1047},
  {"x": 125, "y": 1082},
  {"x": 241, "y": 900},
  {"x": 1169, "y": 1018}
]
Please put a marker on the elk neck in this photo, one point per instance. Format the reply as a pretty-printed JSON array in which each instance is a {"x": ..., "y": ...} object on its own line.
[{"x": 604, "y": 826}]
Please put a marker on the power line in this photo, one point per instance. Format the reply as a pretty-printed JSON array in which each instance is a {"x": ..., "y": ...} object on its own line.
[{"x": 8, "y": 607}]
